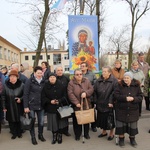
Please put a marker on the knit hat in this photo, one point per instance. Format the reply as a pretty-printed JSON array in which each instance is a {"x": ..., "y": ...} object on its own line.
[
  {"x": 13, "y": 72},
  {"x": 52, "y": 74},
  {"x": 129, "y": 74}
]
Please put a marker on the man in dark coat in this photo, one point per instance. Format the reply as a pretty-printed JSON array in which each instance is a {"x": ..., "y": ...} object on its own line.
[{"x": 64, "y": 81}]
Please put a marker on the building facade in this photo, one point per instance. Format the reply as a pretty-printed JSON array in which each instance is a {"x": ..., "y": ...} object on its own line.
[{"x": 9, "y": 53}]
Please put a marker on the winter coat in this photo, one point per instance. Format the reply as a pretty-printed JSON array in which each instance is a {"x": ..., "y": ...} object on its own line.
[
  {"x": 128, "y": 111},
  {"x": 75, "y": 90},
  {"x": 51, "y": 92},
  {"x": 145, "y": 67},
  {"x": 47, "y": 73},
  {"x": 9, "y": 93},
  {"x": 118, "y": 73},
  {"x": 64, "y": 81},
  {"x": 32, "y": 93},
  {"x": 91, "y": 76},
  {"x": 138, "y": 75},
  {"x": 103, "y": 93}
]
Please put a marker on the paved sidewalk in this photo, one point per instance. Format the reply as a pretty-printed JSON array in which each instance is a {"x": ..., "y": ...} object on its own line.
[{"x": 95, "y": 143}]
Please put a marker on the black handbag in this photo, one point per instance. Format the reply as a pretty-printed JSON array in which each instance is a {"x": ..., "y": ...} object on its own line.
[
  {"x": 65, "y": 111},
  {"x": 26, "y": 122},
  {"x": 110, "y": 121}
]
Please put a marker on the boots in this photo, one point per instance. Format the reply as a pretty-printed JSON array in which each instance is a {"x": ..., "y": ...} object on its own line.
[
  {"x": 54, "y": 138},
  {"x": 132, "y": 141},
  {"x": 59, "y": 138},
  {"x": 40, "y": 136},
  {"x": 121, "y": 141},
  {"x": 33, "y": 140}
]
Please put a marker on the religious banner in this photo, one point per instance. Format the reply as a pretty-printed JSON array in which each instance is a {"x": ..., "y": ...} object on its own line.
[{"x": 83, "y": 42}]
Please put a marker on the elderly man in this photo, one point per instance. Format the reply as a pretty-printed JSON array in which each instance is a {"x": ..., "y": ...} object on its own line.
[
  {"x": 144, "y": 67},
  {"x": 64, "y": 81}
]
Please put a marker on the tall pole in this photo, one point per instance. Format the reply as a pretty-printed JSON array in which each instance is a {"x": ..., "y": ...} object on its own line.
[
  {"x": 81, "y": 7},
  {"x": 98, "y": 23}
]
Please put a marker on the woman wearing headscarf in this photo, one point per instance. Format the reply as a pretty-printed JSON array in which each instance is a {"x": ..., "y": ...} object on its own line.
[
  {"x": 128, "y": 95},
  {"x": 53, "y": 97},
  {"x": 12, "y": 102}
]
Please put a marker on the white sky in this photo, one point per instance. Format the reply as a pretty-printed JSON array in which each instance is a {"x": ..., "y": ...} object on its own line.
[{"x": 117, "y": 15}]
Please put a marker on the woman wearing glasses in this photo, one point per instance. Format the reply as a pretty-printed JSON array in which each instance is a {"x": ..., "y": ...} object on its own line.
[{"x": 79, "y": 88}]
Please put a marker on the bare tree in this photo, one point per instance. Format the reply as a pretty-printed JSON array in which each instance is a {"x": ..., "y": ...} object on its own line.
[
  {"x": 138, "y": 9},
  {"x": 119, "y": 40}
]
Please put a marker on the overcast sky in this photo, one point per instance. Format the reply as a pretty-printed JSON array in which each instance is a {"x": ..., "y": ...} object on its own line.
[{"x": 117, "y": 15}]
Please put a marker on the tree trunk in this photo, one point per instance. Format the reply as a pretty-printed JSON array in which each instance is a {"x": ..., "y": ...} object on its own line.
[{"x": 42, "y": 33}]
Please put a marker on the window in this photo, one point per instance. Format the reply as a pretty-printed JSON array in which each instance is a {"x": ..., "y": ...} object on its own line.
[
  {"x": 26, "y": 57},
  {"x": 0, "y": 52},
  {"x": 67, "y": 68},
  {"x": 5, "y": 53},
  {"x": 48, "y": 56},
  {"x": 66, "y": 56},
  {"x": 8, "y": 54},
  {"x": 12, "y": 56},
  {"x": 33, "y": 57},
  {"x": 57, "y": 59},
  {"x": 41, "y": 57}
]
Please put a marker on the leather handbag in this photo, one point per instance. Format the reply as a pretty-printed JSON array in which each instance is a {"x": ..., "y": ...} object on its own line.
[
  {"x": 65, "y": 111},
  {"x": 26, "y": 122},
  {"x": 110, "y": 121},
  {"x": 85, "y": 116}
]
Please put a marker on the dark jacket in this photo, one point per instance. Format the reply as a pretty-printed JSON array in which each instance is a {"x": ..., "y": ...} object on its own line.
[
  {"x": 51, "y": 92},
  {"x": 32, "y": 93},
  {"x": 47, "y": 73},
  {"x": 64, "y": 81},
  {"x": 103, "y": 92},
  {"x": 128, "y": 111},
  {"x": 14, "y": 109}
]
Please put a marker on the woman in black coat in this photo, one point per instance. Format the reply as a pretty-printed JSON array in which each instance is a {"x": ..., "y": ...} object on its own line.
[
  {"x": 103, "y": 97},
  {"x": 12, "y": 102},
  {"x": 128, "y": 95},
  {"x": 54, "y": 96},
  {"x": 32, "y": 102}
]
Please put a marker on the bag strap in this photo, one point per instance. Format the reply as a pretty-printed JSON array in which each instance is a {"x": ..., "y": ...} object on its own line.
[{"x": 86, "y": 103}]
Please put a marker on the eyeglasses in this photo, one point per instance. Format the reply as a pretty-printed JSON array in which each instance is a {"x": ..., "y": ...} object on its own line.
[{"x": 79, "y": 74}]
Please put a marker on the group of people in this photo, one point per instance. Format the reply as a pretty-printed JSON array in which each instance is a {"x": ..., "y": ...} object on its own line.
[{"x": 43, "y": 92}]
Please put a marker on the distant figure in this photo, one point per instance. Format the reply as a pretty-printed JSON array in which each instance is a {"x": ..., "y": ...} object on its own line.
[
  {"x": 45, "y": 69},
  {"x": 144, "y": 67},
  {"x": 4, "y": 71},
  {"x": 24, "y": 68},
  {"x": 117, "y": 71}
]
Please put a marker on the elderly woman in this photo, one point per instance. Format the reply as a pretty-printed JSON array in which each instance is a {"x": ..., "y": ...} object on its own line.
[
  {"x": 103, "y": 97},
  {"x": 12, "y": 102},
  {"x": 117, "y": 71},
  {"x": 54, "y": 96},
  {"x": 128, "y": 95},
  {"x": 79, "y": 88},
  {"x": 138, "y": 75}
]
